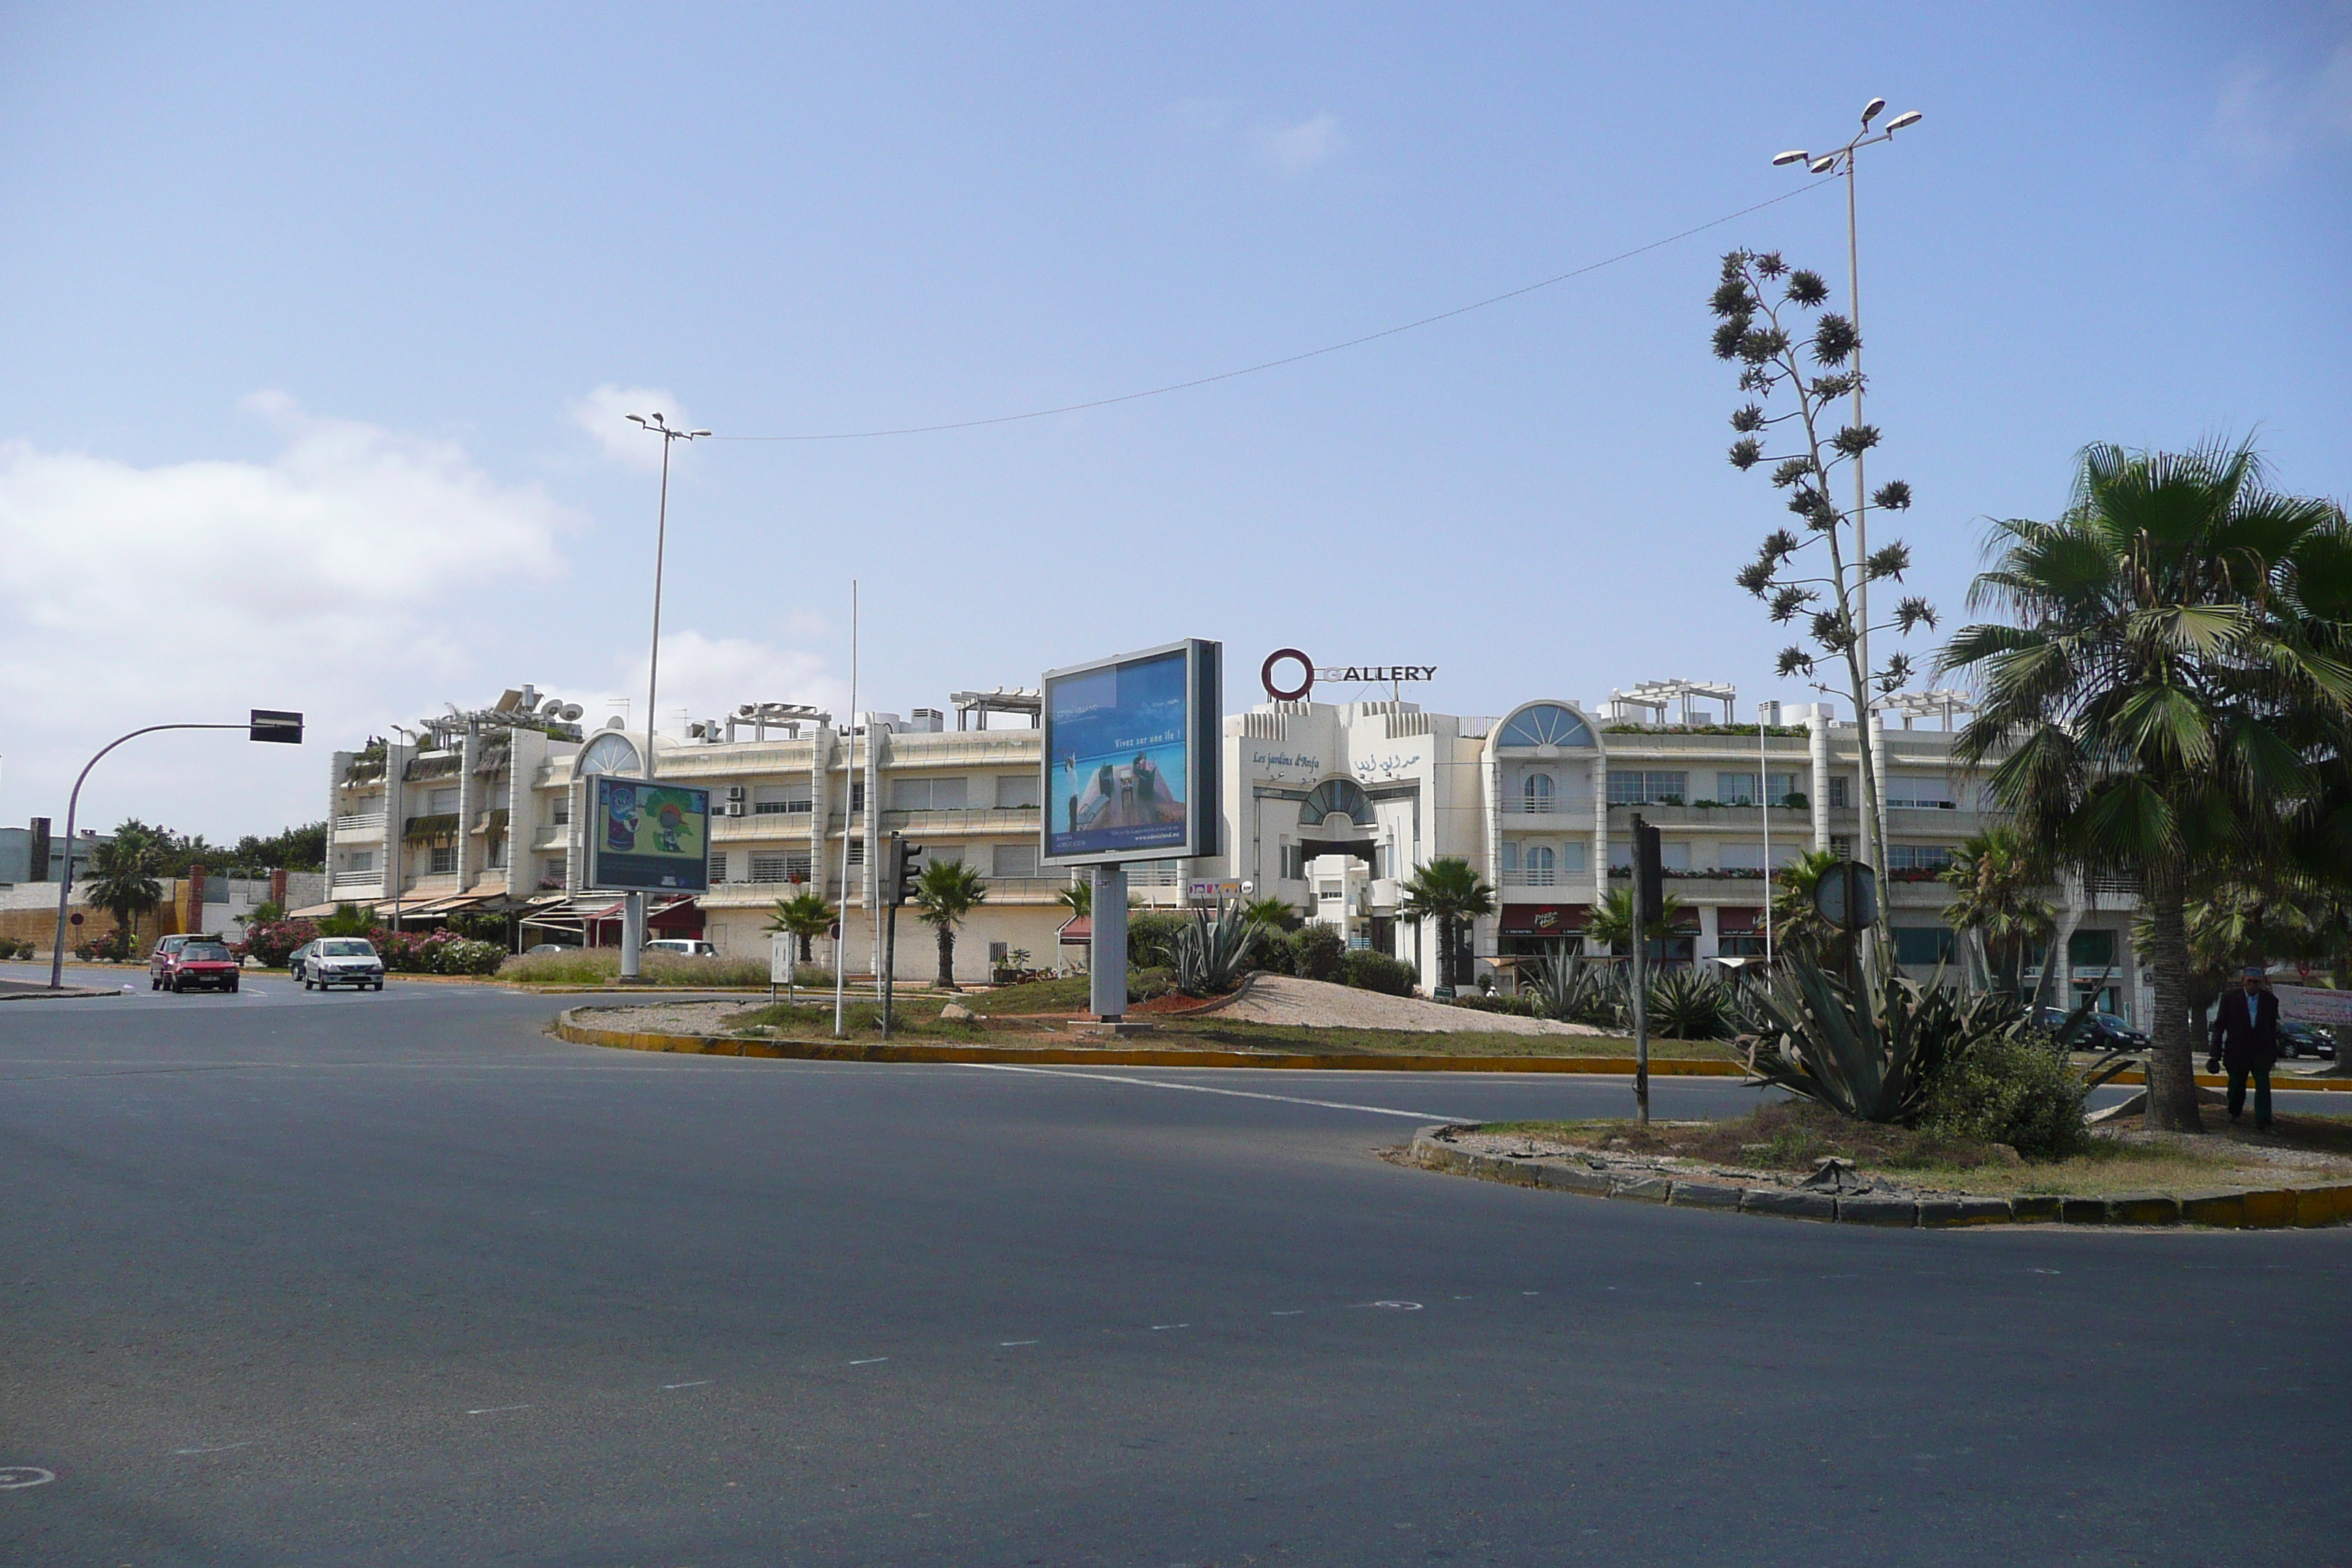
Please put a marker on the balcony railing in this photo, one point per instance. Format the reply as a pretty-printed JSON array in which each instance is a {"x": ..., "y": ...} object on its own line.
[
  {"x": 360, "y": 824},
  {"x": 1541, "y": 877}
]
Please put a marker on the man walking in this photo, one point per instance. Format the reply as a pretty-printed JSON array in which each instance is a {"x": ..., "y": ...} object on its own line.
[{"x": 2245, "y": 1037}]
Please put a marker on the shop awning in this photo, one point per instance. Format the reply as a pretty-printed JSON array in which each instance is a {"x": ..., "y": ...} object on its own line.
[
  {"x": 1733, "y": 921},
  {"x": 1078, "y": 930},
  {"x": 1545, "y": 920}
]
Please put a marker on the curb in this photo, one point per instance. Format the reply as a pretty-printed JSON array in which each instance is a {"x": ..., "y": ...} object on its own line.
[
  {"x": 2254, "y": 1209},
  {"x": 569, "y": 1025}
]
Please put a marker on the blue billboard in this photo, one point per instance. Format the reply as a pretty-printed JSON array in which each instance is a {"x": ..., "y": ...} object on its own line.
[{"x": 1130, "y": 756}]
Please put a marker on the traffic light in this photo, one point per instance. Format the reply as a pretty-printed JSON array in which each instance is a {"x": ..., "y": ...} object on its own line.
[
  {"x": 1649, "y": 873},
  {"x": 902, "y": 865},
  {"x": 271, "y": 725}
]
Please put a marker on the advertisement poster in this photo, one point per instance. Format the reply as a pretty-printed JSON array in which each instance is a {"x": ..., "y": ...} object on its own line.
[
  {"x": 649, "y": 837},
  {"x": 1118, "y": 758}
]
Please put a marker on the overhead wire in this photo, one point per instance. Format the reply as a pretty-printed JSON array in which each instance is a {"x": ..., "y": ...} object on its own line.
[{"x": 1289, "y": 359}]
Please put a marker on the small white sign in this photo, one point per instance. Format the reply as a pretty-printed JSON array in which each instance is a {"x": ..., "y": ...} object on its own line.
[{"x": 780, "y": 957}]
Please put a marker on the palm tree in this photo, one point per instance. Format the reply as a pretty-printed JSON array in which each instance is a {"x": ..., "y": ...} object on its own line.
[
  {"x": 804, "y": 916},
  {"x": 949, "y": 891},
  {"x": 1798, "y": 929},
  {"x": 1611, "y": 924},
  {"x": 123, "y": 881},
  {"x": 2168, "y": 692},
  {"x": 1274, "y": 914},
  {"x": 1449, "y": 891},
  {"x": 1079, "y": 896},
  {"x": 1998, "y": 895}
]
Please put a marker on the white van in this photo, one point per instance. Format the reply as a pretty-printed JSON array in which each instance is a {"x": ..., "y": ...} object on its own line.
[{"x": 691, "y": 948}]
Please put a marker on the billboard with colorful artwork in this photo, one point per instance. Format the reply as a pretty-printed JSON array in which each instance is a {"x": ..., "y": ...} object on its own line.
[
  {"x": 1131, "y": 756},
  {"x": 648, "y": 837}
]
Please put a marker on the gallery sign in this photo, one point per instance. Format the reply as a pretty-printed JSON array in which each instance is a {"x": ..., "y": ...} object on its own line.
[{"x": 1309, "y": 673}]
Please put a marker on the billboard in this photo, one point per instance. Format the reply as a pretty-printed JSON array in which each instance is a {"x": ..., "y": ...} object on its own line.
[
  {"x": 1131, "y": 756},
  {"x": 648, "y": 837}
]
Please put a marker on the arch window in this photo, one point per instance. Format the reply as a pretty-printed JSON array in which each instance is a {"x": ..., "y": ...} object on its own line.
[
  {"x": 1345, "y": 796},
  {"x": 1536, "y": 793},
  {"x": 1545, "y": 724}
]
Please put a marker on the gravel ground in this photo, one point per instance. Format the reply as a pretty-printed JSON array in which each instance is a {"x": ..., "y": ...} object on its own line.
[
  {"x": 672, "y": 1017},
  {"x": 1318, "y": 1004}
]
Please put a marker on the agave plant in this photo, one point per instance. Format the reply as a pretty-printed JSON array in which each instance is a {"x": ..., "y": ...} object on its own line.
[
  {"x": 1871, "y": 1055},
  {"x": 1576, "y": 992},
  {"x": 1685, "y": 1005},
  {"x": 1210, "y": 954}
]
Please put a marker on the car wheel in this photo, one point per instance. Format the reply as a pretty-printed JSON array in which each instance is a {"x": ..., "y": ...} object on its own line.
[
  {"x": 377, "y": 986},
  {"x": 231, "y": 986}
]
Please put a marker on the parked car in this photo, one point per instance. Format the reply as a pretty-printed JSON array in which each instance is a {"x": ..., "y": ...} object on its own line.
[
  {"x": 2100, "y": 1032},
  {"x": 2297, "y": 1039},
  {"x": 691, "y": 947},
  {"x": 202, "y": 964},
  {"x": 159, "y": 962},
  {"x": 551, "y": 947},
  {"x": 333, "y": 960}
]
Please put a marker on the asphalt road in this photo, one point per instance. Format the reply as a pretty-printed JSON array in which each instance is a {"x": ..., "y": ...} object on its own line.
[{"x": 293, "y": 1279}]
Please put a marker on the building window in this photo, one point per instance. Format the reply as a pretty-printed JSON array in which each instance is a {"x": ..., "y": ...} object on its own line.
[
  {"x": 1740, "y": 789},
  {"x": 1740, "y": 857},
  {"x": 1014, "y": 860},
  {"x": 1840, "y": 791},
  {"x": 718, "y": 867},
  {"x": 857, "y": 853},
  {"x": 2091, "y": 950},
  {"x": 1634, "y": 787},
  {"x": 1294, "y": 862},
  {"x": 928, "y": 795},
  {"x": 1540, "y": 867},
  {"x": 359, "y": 859},
  {"x": 496, "y": 859},
  {"x": 1920, "y": 859},
  {"x": 441, "y": 802},
  {"x": 1923, "y": 945},
  {"x": 1016, "y": 792},
  {"x": 1545, "y": 724},
  {"x": 554, "y": 870},
  {"x": 778, "y": 800},
  {"x": 1841, "y": 847},
  {"x": 445, "y": 860},
  {"x": 1535, "y": 794},
  {"x": 1345, "y": 796},
  {"x": 857, "y": 797},
  {"x": 560, "y": 814},
  {"x": 1920, "y": 792},
  {"x": 999, "y": 955}
]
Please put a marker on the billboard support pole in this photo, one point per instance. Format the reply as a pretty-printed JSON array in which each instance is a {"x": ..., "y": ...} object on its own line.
[{"x": 1107, "y": 969}]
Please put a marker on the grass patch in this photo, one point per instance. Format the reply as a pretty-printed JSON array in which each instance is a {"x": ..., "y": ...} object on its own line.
[
  {"x": 1794, "y": 1134},
  {"x": 814, "y": 1021},
  {"x": 602, "y": 967},
  {"x": 1217, "y": 1033}
]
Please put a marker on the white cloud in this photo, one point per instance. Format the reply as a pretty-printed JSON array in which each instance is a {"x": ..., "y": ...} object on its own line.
[
  {"x": 1294, "y": 150},
  {"x": 605, "y": 412},
  {"x": 710, "y": 676},
  {"x": 2264, "y": 119},
  {"x": 360, "y": 573}
]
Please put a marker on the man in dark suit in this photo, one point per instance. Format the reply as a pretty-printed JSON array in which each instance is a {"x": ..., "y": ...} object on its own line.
[{"x": 2245, "y": 1037}]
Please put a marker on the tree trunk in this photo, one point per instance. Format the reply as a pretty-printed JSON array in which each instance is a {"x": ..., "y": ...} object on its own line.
[
  {"x": 946, "y": 981},
  {"x": 805, "y": 958},
  {"x": 2171, "y": 1058},
  {"x": 1445, "y": 950}
]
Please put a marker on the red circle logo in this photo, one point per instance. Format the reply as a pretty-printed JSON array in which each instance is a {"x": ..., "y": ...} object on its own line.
[{"x": 1291, "y": 694}]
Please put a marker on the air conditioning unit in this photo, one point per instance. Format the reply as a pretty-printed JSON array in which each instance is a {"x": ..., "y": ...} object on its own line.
[
  {"x": 734, "y": 791},
  {"x": 732, "y": 808}
]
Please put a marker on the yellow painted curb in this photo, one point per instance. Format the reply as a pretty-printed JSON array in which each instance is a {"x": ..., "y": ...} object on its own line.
[
  {"x": 568, "y": 1026},
  {"x": 2281, "y": 1083}
]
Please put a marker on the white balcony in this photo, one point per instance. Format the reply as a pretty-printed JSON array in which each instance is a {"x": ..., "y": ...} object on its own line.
[{"x": 360, "y": 824}]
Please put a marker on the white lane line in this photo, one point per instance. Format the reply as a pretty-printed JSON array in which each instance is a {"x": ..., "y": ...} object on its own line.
[
  {"x": 217, "y": 1448},
  {"x": 494, "y": 1409},
  {"x": 15, "y": 1478},
  {"x": 870, "y": 1361},
  {"x": 1158, "y": 1327},
  {"x": 1294, "y": 1312},
  {"x": 1008, "y": 1344},
  {"x": 697, "y": 1383},
  {"x": 1207, "y": 1089}
]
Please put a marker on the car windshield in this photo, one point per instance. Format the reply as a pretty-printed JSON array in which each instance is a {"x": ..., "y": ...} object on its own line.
[
  {"x": 212, "y": 951},
  {"x": 351, "y": 948}
]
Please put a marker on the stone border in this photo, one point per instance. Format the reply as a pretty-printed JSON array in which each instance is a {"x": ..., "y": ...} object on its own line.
[
  {"x": 2260, "y": 1208},
  {"x": 571, "y": 1025}
]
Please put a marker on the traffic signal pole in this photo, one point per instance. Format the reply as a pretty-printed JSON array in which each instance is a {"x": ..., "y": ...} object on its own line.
[
  {"x": 900, "y": 872},
  {"x": 1648, "y": 900}
]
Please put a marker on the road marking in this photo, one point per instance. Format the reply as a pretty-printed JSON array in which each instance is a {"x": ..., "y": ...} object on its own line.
[
  {"x": 14, "y": 1478},
  {"x": 869, "y": 1361},
  {"x": 217, "y": 1448},
  {"x": 1397, "y": 1306},
  {"x": 1156, "y": 1328},
  {"x": 494, "y": 1409},
  {"x": 697, "y": 1383},
  {"x": 1207, "y": 1089},
  {"x": 1008, "y": 1344},
  {"x": 1294, "y": 1312}
]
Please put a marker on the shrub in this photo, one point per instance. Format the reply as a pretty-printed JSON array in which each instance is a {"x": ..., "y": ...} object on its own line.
[
  {"x": 271, "y": 942},
  {"x": 1313, "y": 952},
  {"x": 349, "y": 919},
  {"x": 602, "y": 967},
  {"x": 1870, "y": 1055},
  {"x": 1210, "y": 955},
  {"x": 1524, "y": 1005},
  {"x": 462, "y": 955},
  {"x": 1685, "y": 1005},
  {"x": 2012, "y": 1091},
  {"x": 114, "y": 947},
  {"x": 1578, "y": 991},
  {"x": 1370, "y": 971},
  {"x": 1152, "y": 936}
]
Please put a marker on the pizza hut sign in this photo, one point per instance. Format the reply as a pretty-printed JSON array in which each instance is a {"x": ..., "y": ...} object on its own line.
[{"x": 1290, "y": 660}]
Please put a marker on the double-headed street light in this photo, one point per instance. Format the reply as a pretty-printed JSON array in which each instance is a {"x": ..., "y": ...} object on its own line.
[
  {"x": 633, "y": 923},
  {"x": 1842, "y": 161}
]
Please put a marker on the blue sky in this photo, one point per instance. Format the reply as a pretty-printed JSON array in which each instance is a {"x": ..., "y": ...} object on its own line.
[{"x": 320, "y": 320}]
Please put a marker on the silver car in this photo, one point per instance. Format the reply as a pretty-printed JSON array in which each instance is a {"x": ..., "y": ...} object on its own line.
[{"x": 333, "y": 960}]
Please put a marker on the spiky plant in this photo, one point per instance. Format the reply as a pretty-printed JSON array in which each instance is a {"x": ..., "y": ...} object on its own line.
[{"x": 1211, "y": 955}]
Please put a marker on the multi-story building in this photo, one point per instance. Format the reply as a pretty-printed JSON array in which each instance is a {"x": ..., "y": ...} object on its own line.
[{"x": 1331, "y": 807}]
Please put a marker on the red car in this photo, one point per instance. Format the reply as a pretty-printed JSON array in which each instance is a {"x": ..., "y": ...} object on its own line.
[{"x": 202, "y": 965}]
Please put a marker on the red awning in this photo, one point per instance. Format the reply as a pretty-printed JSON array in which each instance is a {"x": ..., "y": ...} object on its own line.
[
  {"x": 1078, "y": 929},
  {"x": 1544, "y": 920},
  {"x": 1739, "y": 922}
]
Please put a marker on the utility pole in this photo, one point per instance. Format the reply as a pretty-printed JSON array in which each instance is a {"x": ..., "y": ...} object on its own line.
[
  {"x": 633, "y": 907},
  {"x": 848, "y": 798},
  {"x": 1649, "y": 900}
]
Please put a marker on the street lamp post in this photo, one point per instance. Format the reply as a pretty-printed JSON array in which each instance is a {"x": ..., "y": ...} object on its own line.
[
  {"x": 1842, "y": 161},
  {"x": 266, "y": 725},
  {"x": 633, "y": 914}
]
